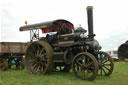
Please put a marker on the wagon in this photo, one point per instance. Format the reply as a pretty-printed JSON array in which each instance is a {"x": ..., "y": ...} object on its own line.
[
  {"x": 66, "y": 48},
  {"x": 11, "y": 53}
]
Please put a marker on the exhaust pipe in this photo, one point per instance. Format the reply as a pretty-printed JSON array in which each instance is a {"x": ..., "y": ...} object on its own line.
[{"x": 90, "y": 22}]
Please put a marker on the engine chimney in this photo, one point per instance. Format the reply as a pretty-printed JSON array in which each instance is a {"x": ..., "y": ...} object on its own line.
[{"x": 90, "y": 22}]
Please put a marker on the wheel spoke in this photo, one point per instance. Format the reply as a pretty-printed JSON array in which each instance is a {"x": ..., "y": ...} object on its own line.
[
  {"x": 83, "y": 60},
  {"x": 89, "y": 71},
  {"x": 88, "y": 59},
  {"x": 104, "y": 71},
  {"x": 38, "y": 47},
  {"x": 79, "y": 63},
  {"x": 38, "y": 68},
  {"x": 29, "y": 53},
  {"x": 89, "y": 64},
  {"x": 35, "y": 65},
  {"x": 33, "y": 50},
  {"x": 77, "y": 68},
  {"x": 106, "y": 68},
  {"x": 101, "y": 71},
  {"x": 81, "y": 72},
  {"x": 38, "y": 51},
  {"x": 41, "y": 51},
  {"x": 91, "y": 68},
  {"x": 31, "y": 61},
  {"x": 44, "y": 64},
  {"x": 43, "y": 55},
  {"x": 44, "y": 60},
  {"x": 105, "y": 56},
  {"x": 105, "y": 61},
  {"x": 100, "y": 58},
  {"x": 107, "y": 64},
  {"x": 32, "y": 47},
  {"x": 42, "y": 69}
]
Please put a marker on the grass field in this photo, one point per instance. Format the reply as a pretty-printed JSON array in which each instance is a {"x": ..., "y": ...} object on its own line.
[{"x": 22, "y": 77}]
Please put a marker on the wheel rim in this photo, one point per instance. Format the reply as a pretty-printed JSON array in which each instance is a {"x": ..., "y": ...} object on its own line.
[
  {"x": 85, "y": 66},
  {"x": 106, "y": 64},
  {"x": 37, "y": 58}
]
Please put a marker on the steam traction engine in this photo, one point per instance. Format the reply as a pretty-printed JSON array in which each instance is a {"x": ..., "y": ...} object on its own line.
[{"x": 67, "y": 48}]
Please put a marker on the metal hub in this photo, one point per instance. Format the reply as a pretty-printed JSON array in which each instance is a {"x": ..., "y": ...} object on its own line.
[
  {"x": 83, "y": 67},
  {"x": 101, "y": 65},
  {"x": 38, "y": 58}
]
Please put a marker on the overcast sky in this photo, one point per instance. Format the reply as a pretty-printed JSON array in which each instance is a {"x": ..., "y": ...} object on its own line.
[{"x": 110, "y": 18}]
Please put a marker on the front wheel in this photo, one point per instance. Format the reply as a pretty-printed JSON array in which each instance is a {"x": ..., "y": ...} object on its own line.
[{"x": 85, "y": 66}]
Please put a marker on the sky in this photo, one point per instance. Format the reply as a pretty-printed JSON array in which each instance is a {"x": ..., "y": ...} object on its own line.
[{"x": 110, "y": 18}]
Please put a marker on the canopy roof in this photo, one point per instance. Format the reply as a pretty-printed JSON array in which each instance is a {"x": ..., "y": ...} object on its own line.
[{"x": 50, "y": 26}]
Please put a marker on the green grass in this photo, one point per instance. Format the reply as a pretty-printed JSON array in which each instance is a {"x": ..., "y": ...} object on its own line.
[{"x": 22, "y": 77}]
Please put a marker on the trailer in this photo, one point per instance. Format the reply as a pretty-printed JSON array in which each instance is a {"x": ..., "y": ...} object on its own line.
[{"x": 12, "y": 53}]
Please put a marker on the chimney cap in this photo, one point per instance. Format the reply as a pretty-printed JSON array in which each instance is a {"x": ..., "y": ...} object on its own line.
[{"x": 89, "y": 7}]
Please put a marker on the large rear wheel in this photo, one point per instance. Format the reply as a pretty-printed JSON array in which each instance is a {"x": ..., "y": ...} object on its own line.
[{"x": 38, "y": 57}]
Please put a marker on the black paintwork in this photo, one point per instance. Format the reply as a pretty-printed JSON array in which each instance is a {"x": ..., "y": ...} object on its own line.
[{"x": 90, "y": 22}]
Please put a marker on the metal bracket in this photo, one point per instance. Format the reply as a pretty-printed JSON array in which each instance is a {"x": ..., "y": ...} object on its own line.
[{"x": 34, "y": 35}]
